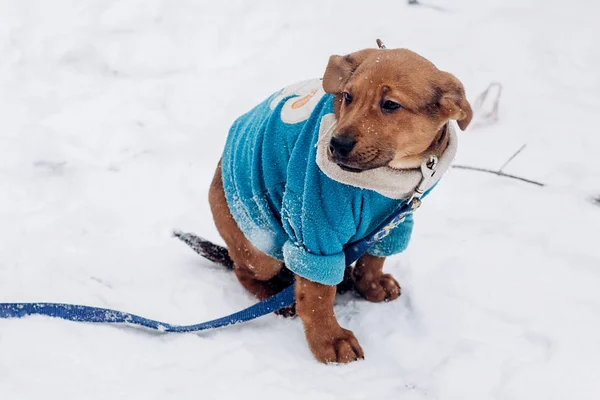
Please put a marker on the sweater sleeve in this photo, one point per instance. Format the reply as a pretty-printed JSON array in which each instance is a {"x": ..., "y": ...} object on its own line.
[
  {"x": 319, "y": 217},
  {"x": 399, "y": 238},
  {"x": 316, "y": 237},
  {"x": 316, "y": 266},
  {"x": 396, "y": 242}
]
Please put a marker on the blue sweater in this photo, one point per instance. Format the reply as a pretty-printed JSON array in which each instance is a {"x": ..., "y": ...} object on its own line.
[{"x": 284, "y": 204}]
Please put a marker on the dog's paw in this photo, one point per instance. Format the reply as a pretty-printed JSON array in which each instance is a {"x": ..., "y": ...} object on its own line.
[
  {"x": 381, "y": 288},
  {"x": 287, "y": 312},
  {"x": 341, "y": 347}
]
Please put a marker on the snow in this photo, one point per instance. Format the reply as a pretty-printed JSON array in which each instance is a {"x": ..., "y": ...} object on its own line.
[{"x": 113, "y": 115}]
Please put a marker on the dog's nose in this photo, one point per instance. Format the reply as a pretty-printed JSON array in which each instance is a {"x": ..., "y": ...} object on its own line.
[{"x": 341, "y": 146}]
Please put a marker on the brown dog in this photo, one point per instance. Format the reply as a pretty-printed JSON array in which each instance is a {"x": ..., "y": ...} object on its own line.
[{"x": 392, "y": 109}]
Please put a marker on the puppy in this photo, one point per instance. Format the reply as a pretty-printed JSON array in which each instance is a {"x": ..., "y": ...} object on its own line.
[{"x": 321, "y": 164}]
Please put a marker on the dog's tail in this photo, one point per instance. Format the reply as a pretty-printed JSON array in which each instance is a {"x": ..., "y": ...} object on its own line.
[
  {"x": 210, "y": 251},
  {"x": 220, "y": 255}
]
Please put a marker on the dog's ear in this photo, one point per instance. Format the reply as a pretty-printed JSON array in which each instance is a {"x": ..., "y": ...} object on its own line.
[
  {"x": 453, "y": 102},
  {"x": 340, "y": 69}
]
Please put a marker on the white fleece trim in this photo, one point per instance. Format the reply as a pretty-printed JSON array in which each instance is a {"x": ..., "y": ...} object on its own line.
[{"x": 387, "y": 181}]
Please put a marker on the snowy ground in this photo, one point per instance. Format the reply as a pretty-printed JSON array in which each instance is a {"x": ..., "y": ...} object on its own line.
[{"x": 112, "y": 118}]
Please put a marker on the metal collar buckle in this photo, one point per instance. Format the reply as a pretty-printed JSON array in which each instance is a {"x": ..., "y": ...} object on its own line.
[{"x": 427, "y": 170}]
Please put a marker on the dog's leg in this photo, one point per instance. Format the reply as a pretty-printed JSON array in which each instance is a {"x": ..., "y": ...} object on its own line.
[
  {"x": 254, "y": 278},
  {"x": 328, "y": 341},
  {"x": 252, "y": 267},
  {"x": 371, "y": 282}
]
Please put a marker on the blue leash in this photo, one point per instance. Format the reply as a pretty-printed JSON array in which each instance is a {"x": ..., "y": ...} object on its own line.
[
  {"x": 77, "y": 313},
  {"x": 285, "y": 298}
]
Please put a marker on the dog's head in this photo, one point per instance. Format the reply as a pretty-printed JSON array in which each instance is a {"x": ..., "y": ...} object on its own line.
[{"x": 391, "y": 108}]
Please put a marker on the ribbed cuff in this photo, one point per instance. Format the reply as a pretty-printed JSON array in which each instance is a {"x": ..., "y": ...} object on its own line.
[{"x": 328, "y": 270}]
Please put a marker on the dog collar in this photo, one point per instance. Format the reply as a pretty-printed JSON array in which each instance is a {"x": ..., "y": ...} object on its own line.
[{"x": 389, "y": 182}]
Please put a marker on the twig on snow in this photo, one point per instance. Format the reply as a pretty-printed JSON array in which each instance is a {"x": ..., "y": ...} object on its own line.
[
  {"x": 489, "y": 116},
  {"x": 512, "y": 157},
  {"x": 499, "y": 173},
  {"x": 418, "y": 3}
]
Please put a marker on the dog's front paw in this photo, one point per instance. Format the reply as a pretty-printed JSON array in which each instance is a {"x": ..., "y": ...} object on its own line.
[
  {"x": 382, "y": 287},
  {"x": 342, "y": 347}
]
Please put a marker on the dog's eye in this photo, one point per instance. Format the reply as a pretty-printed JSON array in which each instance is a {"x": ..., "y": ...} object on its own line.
[
  {"x": 347, "y": 97},
  {"x": 389, "y": 106}
]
